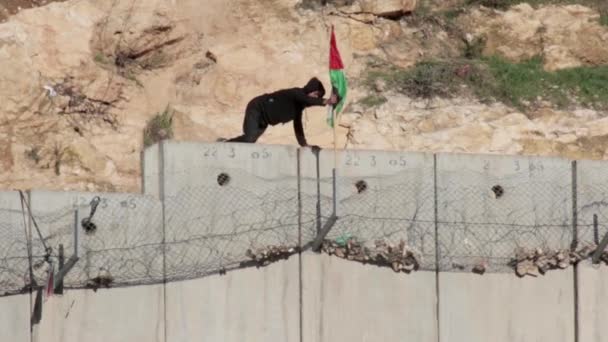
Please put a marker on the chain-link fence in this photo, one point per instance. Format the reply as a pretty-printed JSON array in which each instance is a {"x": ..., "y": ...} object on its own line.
[
  {"x": 385, "y": 211},
  {"x": 592, "y": 200},
  {"x": 121, "y": 245},
  {"x": 451, "y": 222},
  {"x": 484, "y": 219},
  {"x": 14, "y": 261},
  {"x": 220, "y": 226}
]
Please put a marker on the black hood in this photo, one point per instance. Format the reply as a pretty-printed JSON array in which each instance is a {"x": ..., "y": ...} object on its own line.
[{"x": 313, "y": 85}]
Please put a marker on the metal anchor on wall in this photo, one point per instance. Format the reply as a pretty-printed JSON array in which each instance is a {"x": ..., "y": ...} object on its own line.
[{"x": 87, "y": 222}]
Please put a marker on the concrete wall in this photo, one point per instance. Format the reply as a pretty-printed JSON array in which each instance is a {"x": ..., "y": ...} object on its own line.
[
  {"x": 245, "y": 305},
  {"x": 15, "y": 309},
  {"x": 477, "y": 225},
  {"x": 210, "y": 226},
  {"x": 114, "y": 315},
  {"x": 396, "y": 204},
  {"x": 188, "y": 227},
  {"x": 348, "y": 301},
  {"x": 126, "y": 245},
  {"x": 592, "y": 198}
]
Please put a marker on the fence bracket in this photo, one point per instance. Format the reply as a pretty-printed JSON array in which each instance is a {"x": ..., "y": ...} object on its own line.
[
  {"x": 602, "y": 245},
  {"x": 316, "y": 244}
]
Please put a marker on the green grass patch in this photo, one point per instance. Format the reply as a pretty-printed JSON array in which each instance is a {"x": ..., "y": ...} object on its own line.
[
  {"x": 604, "y": 17},
  {"x": 496, "y": 79},
  {"x": 600, "y": 5},
  {"x": 101, "y": 58},
  {"x": 527, "y": 81},
  {"x": 373, "y": 100},
  {"x": 426, "y": 79},
  {"x": 159, "y": 127}
]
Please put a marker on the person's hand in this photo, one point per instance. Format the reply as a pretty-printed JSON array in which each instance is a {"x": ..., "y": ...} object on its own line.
[
  {"x": 315, "y": 149},
  {"x": 332, "y": 100}
]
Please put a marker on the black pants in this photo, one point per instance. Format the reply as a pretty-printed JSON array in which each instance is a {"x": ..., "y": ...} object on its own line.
[{"x": 254, "y": 125}]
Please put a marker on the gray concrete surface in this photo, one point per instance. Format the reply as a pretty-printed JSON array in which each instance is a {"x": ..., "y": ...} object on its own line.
[
  {"x": 532, "y": 207},
  {"x": 127, "y": 241},
  {"x": 500, "y": 307},
  {"x": 347, "y": 301},
  {"x": 245, "y": 305},
  {"x": 396, "y": 203},
  {"x": 132, "y": 314},
  {"x": 592, "y": 198},
  {"x": 15, "y": 318},
  {"x": 592, "y": 299},
  {"x": 15, "y": 309},
  {"x": 150, "y": 171},
  {"x": 125, "y": 245},
  {"x": 210, "y": 226}
]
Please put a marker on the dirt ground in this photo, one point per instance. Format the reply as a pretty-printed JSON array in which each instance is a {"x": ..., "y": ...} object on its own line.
[{"x": 10, "y": 7}]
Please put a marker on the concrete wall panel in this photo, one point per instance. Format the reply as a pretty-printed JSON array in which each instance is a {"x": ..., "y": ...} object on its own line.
[
  {"x": 14, "y": 270},
  {"x": 125, "y": 247},
  {"x": 501, "y": 307},
  {"x": 243, "y": 305},
  {"x": 488, "y": 205},
  {"x": 131, "y": 314},
  {"x": 220, "y": 201},
  {"x": 346, "y": 300},
  {"x": 592, "y": 198}
]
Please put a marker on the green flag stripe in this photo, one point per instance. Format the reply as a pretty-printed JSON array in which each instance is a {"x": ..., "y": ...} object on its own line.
[{"x": 338, "y": 80}]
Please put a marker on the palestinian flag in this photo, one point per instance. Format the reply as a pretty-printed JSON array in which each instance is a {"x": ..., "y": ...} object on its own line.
[{"x": 336, "y": 76}]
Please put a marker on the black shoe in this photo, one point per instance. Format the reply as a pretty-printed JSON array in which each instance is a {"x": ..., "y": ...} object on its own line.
[{"x": 221, "y": 140}]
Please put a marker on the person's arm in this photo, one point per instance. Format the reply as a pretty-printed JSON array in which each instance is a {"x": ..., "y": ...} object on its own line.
[
  {"x": 302, "y": 98},
  {"x": 299, "y": 130}
]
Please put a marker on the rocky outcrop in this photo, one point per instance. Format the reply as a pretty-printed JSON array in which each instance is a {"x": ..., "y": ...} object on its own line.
[
  {"x": 387, "y": 8},
  {"x": 566, "y": 36},
  {"x": 80, "y": 79},
  {"x": 461, "y": 125}
]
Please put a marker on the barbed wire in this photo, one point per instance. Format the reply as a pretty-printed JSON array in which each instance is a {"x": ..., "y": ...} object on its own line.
[
  {"x": 14, "y": 261},
  {"x": 392, "y": 209},
  {"x": 123, "y": 244},
  {"x": 233, "y": 219},
  {"x": 212, "y": 227},
  {"x": 484, "y": 219}
]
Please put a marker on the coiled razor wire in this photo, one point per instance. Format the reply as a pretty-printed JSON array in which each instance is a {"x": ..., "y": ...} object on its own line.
[{"x": 124, "y": 241}]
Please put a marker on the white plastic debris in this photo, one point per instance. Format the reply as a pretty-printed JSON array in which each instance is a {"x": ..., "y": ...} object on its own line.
[{"x": 51, "y": 91}]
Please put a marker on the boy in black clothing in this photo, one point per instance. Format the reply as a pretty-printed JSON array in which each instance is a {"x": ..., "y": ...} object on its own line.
[{"x": 280, "y": 107}]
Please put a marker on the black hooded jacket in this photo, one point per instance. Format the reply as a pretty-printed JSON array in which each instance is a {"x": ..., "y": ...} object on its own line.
[{"x": 287, "y": 104}]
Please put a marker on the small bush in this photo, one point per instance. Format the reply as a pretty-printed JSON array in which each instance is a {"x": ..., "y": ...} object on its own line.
[
  {"x": 101, "y": 58},
  {"x": 498, "y": 4},
  {"x": 312, "y": 4},
  {"x": 426, "y": 79},
  {"x": 429, "y": 79},
  {"x": 604, "y": 17},
  {"x": 158, "y": 128},
  {"x": 474, "y": 48},
  {"x": 373, "y": 101}
]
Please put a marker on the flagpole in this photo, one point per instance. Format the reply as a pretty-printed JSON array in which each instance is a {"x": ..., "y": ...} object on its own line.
[{"x": 335, "y": 138}]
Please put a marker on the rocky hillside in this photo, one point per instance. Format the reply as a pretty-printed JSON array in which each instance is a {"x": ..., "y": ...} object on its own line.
[{"x": 85, "y": 83}]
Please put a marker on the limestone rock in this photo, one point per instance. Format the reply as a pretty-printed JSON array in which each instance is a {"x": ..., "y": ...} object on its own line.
[
  {"x": 387, "y": 8},
  {"x": 568, "y": 36}
]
